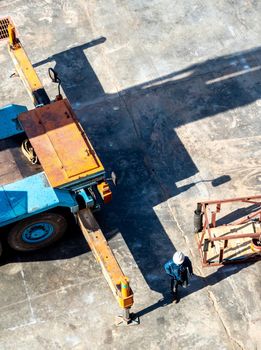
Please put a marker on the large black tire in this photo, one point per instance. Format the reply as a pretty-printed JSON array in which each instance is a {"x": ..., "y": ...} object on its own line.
[{"x": 37, "y": 232}]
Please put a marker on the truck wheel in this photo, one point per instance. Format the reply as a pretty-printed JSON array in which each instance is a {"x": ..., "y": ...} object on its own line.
[{"x": 37, "y": 232}]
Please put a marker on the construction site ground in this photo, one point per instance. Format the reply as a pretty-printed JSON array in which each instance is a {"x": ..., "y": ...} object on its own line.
[{"x": 169, "y": 94}]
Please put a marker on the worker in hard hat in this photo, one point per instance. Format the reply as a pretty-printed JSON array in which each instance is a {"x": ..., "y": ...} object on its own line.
[{"x": 178, "y": 269}]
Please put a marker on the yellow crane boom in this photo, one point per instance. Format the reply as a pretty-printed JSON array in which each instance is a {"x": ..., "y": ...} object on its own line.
[{"x": 113, "y": 274}]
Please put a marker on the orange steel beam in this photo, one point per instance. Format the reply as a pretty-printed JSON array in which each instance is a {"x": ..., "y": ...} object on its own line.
[
  {"x": 237, "y": 199},
  {"x": 116, "y": 279},
  {"x": 242, "y": 235}
]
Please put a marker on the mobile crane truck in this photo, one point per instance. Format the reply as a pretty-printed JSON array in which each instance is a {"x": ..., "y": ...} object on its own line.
[{"x": 49, "y": 168}]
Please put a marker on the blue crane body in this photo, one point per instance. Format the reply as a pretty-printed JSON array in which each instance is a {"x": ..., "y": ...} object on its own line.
[
  {"x": 47, "y": 161},
  {"x": 33, "y": 194}
]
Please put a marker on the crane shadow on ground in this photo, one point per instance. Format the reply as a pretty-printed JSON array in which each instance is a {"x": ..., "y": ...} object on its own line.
[{"x": 134, "y": 132}]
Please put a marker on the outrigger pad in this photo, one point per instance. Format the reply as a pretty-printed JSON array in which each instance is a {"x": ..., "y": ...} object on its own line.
[{"x": 132, "y": 321}]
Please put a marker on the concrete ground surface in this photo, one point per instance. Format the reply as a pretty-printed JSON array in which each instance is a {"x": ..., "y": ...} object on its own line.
[{"x": 169, "y": 94}]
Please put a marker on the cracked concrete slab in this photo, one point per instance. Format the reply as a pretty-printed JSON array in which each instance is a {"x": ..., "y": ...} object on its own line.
[{"x": 169, "y": 94}]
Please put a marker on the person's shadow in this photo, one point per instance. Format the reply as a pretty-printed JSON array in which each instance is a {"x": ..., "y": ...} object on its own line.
[{"x": 196, "y": 283}]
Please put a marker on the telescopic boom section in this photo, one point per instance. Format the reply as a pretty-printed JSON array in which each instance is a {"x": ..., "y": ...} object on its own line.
[{"x": 116, "y": 279}]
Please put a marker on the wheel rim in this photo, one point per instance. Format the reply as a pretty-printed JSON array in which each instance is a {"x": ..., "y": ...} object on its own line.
[{"x": 38, "y": 232}]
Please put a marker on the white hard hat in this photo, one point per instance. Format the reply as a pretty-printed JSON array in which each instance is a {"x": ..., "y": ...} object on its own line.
[{"x": 178, "y": 258}]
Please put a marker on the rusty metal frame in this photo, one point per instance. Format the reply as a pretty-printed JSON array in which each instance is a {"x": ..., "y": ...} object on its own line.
[{"x": 205, "y": 237}]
